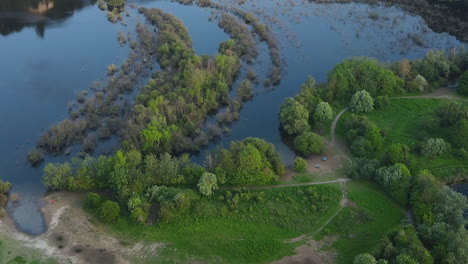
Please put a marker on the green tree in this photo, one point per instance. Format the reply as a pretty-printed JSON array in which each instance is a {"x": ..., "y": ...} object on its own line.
[
  {"x": 459, "y": 134},
  {"x": 207, "y": 184},
  {"x": 294, "y": 117},
  {"x": 56, "y": 176},
  {"x": 362, "y": 102},
  {"x": 323, "y": 113},
  {"x": 309, "y": 143},
  {"x": 300, "y": 165},
  {"x": 365, "y": 259},
  {"x": 109, "y": 211},
  {"x": 250, "y": 166},
  {"x": 434, "y": 147},
  {"x": 463, "y": 84}
]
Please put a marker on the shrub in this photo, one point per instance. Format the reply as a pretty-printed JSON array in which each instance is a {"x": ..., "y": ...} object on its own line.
[
  {"x": 4, "y": 187},
  {"x": 3, "y": 200},
  {"x": 35, "y": 157},
  {"x": 309, "y": 143},
  {"x": 434, "y": 147},
  {"x": 362, "y": 168},
  {"x": 92, "y": 201},
  {"x": 362, "y": 102},
  {"x": 396, "y": 181},
  {"x": 364, "y": 259},
  {"x": 463, "y": 84},
  {"x": 207, "y": 184},
  {"x": 381, "y": 102},
  {"x": 245, "y": 92},
  {"x": 139, "y": 216},
  {"x": 398, "y": 153},
  {"x": 459, "y": 134},
  {"x": 300, "y": 165},
  {"x": 109, "y": 211},
  {"x": 116, "y": 3}
]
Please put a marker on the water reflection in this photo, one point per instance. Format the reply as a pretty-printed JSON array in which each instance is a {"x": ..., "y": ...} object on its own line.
[{"x": 15, "y": 15}]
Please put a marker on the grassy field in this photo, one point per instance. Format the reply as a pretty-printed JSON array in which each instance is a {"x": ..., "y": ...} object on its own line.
[
  {"x": 254, "y": 232},
  {"x": 402, "y": 119},
  {"x": 402, "y": 122},
  {"x": 11, "y": 252},
  {"x": 359, "y": 228}
]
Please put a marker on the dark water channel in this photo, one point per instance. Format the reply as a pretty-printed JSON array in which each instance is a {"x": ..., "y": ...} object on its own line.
[{"x": 52, "y": 49}]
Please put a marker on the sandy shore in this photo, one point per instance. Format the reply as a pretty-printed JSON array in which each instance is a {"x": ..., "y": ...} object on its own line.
[{"x": 73, "y": 236}]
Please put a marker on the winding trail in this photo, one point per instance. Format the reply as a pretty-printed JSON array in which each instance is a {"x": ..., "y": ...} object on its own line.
[
  {"x": 343, "y": 204},
  {"x": 334, "y": 123}
]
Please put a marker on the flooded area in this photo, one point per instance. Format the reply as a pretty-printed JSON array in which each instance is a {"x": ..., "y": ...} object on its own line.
[{"x": 50, "y": 50}]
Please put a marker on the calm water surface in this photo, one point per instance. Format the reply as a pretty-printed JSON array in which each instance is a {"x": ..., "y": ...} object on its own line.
[{"x": 52, "y": 49}]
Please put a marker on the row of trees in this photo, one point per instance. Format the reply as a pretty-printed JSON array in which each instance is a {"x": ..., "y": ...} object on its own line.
[{"x": 137, "y": 179}]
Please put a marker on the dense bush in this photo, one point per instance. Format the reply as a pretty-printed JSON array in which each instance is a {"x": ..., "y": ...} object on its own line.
[
  {"x": 396, "y": 180},
  {"x": 300, "y": 165},
  {"x": 364, "y": 136},
  {"x": 398, "y": 153},
  {"x": 309, "y": 143},
  {"x": 247, "y": 162},
  {"x": 404, "y": 243},
  {"x": 450, "y": 113},
  {"x": 109, "y": 211},
  {"x": 434, "y": 147},
  {"x": 363, "y": 168},
  {"x": 92, "y": 201},
  {"x": 56, "y": 176}
]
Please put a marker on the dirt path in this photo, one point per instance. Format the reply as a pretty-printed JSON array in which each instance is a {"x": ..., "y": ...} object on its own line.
[
  {"x": 311, "y": 253},
  {"x": 289, "y": 185},
  {"x": 442, "y": 93},
  {"x": 333, "y": 125}
]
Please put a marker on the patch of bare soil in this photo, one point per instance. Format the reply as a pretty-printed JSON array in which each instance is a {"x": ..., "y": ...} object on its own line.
[
  {"x": 73, "y": 236},
  {"x": 335, "y": 160},
  {"x": 311, "y": 253}
]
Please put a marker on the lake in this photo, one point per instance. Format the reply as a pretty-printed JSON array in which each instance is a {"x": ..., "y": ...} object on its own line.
[{"x": 52, "y": 49}]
